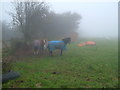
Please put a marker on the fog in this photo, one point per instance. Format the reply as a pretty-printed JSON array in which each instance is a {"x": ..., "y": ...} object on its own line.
[{"x": 99, "y": 19}]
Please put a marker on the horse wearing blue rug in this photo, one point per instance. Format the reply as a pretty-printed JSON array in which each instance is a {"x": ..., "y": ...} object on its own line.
[{"x": 56, "y": 44}]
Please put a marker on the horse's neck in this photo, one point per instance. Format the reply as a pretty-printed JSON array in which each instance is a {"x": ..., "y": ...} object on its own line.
[{"x": 65, "y": 42}]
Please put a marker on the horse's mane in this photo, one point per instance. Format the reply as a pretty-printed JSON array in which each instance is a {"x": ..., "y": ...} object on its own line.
[{"x": 66, "y": 40}]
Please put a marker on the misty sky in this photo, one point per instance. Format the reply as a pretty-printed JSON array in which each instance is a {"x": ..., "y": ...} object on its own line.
[{"x": 98, "y": 18}]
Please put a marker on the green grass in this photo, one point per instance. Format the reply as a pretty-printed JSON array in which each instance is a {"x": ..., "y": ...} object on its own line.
[{"x": 79, "y": 67}]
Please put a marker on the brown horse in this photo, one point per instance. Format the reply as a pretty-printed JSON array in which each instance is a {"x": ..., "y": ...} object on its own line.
[{"x": 39, "y": 46}]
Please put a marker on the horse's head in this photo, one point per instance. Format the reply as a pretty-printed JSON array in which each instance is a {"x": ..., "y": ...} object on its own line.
[{"x": 67, "y": 40}]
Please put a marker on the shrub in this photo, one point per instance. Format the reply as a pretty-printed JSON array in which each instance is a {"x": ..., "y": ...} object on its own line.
[{"x": 7, "y": 64}]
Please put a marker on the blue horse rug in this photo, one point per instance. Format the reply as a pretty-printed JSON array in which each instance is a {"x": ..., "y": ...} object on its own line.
[{"x": 52, "y": 45}]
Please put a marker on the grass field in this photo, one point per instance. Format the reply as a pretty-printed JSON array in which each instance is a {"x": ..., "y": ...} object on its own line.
[{"x": 79, "y": 67}]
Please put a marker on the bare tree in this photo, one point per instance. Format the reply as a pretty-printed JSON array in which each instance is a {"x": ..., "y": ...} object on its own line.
[
  {"x": 34, "y": 19},
  {"x": 25, "y": 14}
]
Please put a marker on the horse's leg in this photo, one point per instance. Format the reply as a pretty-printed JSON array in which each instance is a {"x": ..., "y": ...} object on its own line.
[
  {"x": 34, "y": 52},
  {"x": 37, "y": 52},
  {"x": 61, "y": 53},
  {"x": 43, "y": 50},
  {"x": 50, "y": 53},
  {"x": 40, "y": 50}
]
